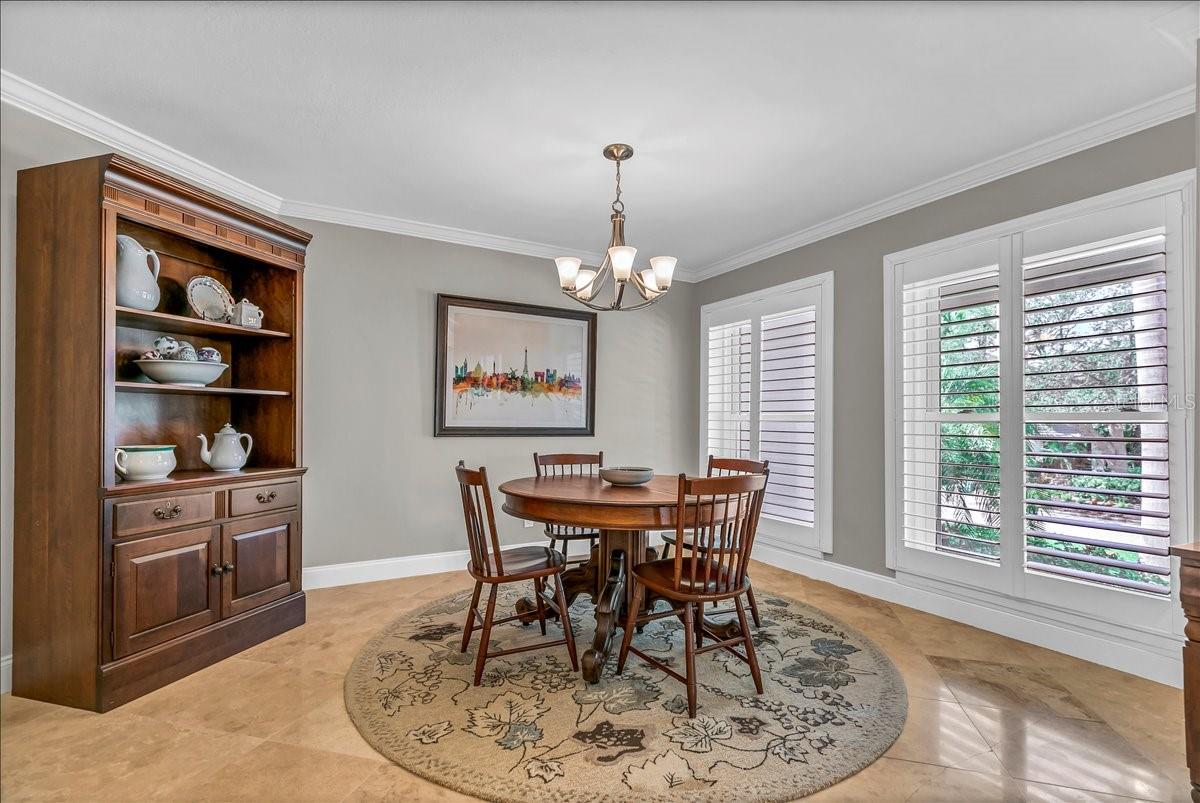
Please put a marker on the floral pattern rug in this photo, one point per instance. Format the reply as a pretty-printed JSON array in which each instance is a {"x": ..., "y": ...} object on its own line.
[{"x": 535, "y": 731}]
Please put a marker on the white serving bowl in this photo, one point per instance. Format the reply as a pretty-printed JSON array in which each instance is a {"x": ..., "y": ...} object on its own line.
[
  {"x": 627, "y": 475},
  {"x": 182, "y": 372}
]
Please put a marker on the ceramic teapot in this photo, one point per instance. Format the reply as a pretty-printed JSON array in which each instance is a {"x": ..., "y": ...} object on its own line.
[
  {"x": 227, "y": 453},
  {"x": 137, "y": 274}
]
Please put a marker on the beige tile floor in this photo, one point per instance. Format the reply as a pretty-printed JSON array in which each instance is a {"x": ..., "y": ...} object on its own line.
[{"x": 989, "y": 719}]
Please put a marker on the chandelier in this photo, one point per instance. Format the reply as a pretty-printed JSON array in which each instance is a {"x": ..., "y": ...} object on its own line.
[{"x": 585, "y": 285}]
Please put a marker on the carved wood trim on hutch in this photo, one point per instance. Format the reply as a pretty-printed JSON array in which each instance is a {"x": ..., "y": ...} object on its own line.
[{"x": 121, "y": 587}]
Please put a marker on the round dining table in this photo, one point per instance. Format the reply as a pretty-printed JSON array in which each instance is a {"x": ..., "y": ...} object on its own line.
[{"x": 624, "y": 517}]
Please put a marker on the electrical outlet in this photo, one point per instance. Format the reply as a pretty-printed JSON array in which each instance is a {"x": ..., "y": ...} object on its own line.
[{"x": 529, "y": 523}]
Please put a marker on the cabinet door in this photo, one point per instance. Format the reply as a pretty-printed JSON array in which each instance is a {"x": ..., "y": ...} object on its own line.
[
  {"x": 264, "y": 553},
  {"x": 163, "y": 587}
]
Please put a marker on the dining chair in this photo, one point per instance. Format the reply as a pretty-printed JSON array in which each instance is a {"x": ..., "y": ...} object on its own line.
[
  {"x": 720, "y": 516},
  {"x": 726, "y": 467},
  {"x": 569, "y": 465},
  {"x": 495, "y": 567}
]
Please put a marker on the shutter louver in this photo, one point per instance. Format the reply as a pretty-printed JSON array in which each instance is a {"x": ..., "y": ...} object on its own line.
[
  {"x": 1097, "y": 502},
  {"x": 729, "y": 390},
  {"x": 951, "y": 421},
  {"x": 787, "y": 413}
]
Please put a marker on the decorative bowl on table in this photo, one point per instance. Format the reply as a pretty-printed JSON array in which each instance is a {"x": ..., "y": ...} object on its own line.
[
  {"x": 189, "y": 373},
  {"x": 627, "y": 475}
]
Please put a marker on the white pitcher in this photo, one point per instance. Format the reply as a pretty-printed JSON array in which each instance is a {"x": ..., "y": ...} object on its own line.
[{"x": 137, "y": 274}]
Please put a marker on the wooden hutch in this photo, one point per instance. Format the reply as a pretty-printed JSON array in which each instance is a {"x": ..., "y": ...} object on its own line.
[{"x": 122, "y": 587}]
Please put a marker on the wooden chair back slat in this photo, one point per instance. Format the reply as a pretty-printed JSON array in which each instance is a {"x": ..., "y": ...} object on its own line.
[
  {"x": 719, "y": 515},
  {"x": 482, "y": 541},
  {"x": 567, "y": 465},
  {"x": 729, "y": 466}
]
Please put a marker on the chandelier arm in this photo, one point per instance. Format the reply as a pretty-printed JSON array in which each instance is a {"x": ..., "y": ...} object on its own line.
[
  {"x": 587, "y": 304},
  {"x": 641, "y": 305}
]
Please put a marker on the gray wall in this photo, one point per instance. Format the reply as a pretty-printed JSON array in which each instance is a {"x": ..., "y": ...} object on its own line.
[
  {"x": 380, "y": 484},
  {"x": 856, "y": 257}
]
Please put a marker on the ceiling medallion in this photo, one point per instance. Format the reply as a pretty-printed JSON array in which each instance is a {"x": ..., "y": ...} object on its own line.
[{"x": 584, "y": 285}]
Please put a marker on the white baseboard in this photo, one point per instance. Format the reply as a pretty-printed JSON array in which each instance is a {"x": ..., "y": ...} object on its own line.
[
  {"x": 369, "y": 571},
  {"x": 5, "y": 673},
  {"x": 1163, "y": 664}
]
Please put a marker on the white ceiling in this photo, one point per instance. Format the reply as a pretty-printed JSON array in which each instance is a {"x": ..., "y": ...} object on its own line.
[{"x": 749, "y": 121}]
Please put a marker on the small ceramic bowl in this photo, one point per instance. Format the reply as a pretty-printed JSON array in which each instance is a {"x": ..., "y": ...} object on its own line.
[
  {"x": 145, "y": 462},
  {"x": 190, "y": 373},
  {"x": 627, "y": 475}
]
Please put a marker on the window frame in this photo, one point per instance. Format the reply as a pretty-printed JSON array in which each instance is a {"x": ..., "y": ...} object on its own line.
[
  {"x": 816, "y": 290},
  {"x": 1114, "y": 606}
]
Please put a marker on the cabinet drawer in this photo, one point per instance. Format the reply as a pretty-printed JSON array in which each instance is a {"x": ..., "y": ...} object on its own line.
[
  {"x": 148, "y": 515},
  {"x": 261, "y": 498}
]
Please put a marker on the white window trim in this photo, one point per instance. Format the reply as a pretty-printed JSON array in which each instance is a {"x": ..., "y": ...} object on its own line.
[
  {"x": 777, "y": 296},
  {"x": 1181, "y": 184}
]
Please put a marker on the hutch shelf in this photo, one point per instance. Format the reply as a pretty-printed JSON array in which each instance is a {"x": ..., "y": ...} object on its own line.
[{"x": 121, "y": 587}]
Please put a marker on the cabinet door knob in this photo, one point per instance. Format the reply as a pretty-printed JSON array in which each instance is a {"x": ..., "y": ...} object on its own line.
[
  {"x": 217, "y": 571},
  {"x": 166, "y": 513},
  {"x": 228, "y": 566},
  {"x": 264, "y": 498}
]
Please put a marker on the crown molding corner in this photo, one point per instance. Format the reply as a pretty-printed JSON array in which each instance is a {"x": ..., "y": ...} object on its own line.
[
  {"x": 41, "y": 102},
  {"x": 1160, "y": 110}
]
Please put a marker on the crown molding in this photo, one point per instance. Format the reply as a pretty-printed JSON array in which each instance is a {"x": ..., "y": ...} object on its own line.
[
  {"x": 431, "y": 231},
  {"x": 39, "y": 101},
  {"x": 1168, "y": 107}
]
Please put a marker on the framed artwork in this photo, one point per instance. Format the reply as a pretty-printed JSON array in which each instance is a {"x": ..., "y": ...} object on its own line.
[{"x": 513, "y": 369}]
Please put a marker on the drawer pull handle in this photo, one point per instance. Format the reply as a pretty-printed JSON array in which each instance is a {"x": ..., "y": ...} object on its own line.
[
  {"x": 228, "y": 566},
  {"x": 264, "y": 498},
  {"x": 217, "y": 571},
  {"x": 166, "y": 514}
]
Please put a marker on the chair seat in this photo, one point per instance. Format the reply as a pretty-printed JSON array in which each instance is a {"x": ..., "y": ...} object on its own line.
[
  {"x": 659, "y": 575},
  {"x": 521, "y": 563}
]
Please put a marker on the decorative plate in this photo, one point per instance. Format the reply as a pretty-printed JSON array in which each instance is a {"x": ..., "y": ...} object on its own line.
[{"x": 209, "y": 299}]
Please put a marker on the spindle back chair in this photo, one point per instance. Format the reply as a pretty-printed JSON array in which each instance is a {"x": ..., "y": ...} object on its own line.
[
  {"x": 569, "y": 465},
  {"x": 719, "y": 515},
  {"x": 725, "y": 467},
  {"x": 491, "y": 565}
]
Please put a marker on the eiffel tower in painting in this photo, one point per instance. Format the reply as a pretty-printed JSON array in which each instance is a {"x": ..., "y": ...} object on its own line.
[{"x": 525, "y": 371}]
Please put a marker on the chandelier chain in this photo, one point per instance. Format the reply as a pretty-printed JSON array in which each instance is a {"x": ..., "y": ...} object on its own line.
[{"x": 618, "y": 206}]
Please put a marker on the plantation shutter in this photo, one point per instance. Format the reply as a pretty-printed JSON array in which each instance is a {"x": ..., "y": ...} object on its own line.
[
  {"x": 1097, "y": 501},
  {"x": 950, "y": 408},
  {"x": 787, "y": 413},
  {"x": 729, "y": 365}
]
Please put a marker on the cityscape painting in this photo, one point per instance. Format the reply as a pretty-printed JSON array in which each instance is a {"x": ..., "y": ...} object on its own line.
[{"x": 513, "y": 369}]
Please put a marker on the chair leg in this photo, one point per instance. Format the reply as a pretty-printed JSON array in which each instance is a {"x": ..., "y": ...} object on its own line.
[
  {"x": 469, "y": 627},
  {"x": 564, "y": 616},
  {"x": 481, "y": 658},
  {"x": 689, "y": 651},
  {"x": 753, "y": 607},
  {"x": 699, "y": 625},
  {"x": 541, "y": 603},
  {"x": 639, "y": 591},
  {"x": 749, "y": 642}
]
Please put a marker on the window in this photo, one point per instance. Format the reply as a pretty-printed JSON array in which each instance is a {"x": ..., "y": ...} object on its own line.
[
  {"x": 766, "y": 361},
  {"x": 1038, "y": 416}
]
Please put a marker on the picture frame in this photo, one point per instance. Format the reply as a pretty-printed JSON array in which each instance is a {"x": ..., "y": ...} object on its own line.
[{"x": 508, "y": 369}]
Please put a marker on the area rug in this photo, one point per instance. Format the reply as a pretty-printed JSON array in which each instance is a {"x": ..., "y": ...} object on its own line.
[{"x": 535, "y": 731}]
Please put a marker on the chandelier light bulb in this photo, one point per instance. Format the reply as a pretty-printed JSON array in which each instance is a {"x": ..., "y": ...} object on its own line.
[
  {"x": 568, "y": 271},
  {"x": 664, "y": 270},
  {"x": 621, "y": 257},
  {"x": 650, "y": 282},
  {"x": 584, "y": 284}
]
